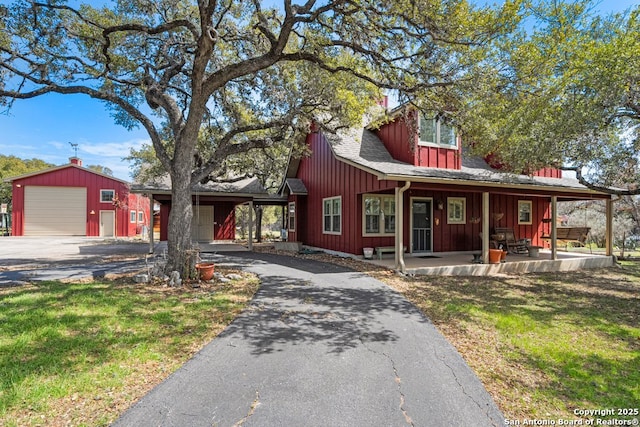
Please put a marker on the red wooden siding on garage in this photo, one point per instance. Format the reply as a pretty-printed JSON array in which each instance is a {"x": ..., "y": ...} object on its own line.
[{"x": 74, "y": 176}]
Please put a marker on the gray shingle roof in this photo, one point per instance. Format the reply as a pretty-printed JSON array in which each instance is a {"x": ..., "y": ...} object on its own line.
[
  {"x": 246, "y": 186},
  {"x": 364, "y": 149},
  {"x": 296, "y": 186}
]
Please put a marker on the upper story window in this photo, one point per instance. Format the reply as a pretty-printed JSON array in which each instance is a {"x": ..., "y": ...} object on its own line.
[
  {"x": 437, "y": 131},
  {"x": 107, "y": 196}
]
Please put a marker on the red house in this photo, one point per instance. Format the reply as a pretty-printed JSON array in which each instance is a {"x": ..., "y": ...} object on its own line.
[
  {"x": 384, "y": 188},
  {"x": 70, "y": 200}
]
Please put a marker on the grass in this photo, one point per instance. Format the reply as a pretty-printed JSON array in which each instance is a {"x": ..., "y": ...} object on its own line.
[
  {"x": 80, "y": 354},
  {"x": 542, "y": 344}
]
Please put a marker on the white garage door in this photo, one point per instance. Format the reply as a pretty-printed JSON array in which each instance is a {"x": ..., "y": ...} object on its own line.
[{"x": 55, "y": 211}]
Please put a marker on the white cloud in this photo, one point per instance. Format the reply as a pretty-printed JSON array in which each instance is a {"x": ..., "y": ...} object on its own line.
[{"x": 110, "y": 149}]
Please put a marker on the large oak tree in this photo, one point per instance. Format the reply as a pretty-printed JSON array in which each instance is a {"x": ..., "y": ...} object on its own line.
[{"x": 211, "y": 79}]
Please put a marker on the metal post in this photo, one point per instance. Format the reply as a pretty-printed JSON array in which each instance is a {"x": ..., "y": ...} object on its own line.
[
  {"x": 150, "y": 223},
  {"x": 554, "y": 227},
  {"x": 251, "y": 225},
  {"x": 609, "y": 227}
]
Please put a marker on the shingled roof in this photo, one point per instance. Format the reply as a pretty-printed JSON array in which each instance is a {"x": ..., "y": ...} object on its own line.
[
  {"x": 363, "y": 149},
  {"x": 244, "y": 187}
]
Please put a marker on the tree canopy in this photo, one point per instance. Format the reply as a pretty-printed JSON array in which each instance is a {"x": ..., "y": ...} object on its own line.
[
  {"x": 11, "y": 166},
  {"x": 211, "y": 79},
  {"x": 565, "y": 92}
]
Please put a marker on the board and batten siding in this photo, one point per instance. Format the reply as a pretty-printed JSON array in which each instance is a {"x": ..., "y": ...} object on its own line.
[
  {"x": 396, "y": 139},
  {"x": 325, "y": 176}
]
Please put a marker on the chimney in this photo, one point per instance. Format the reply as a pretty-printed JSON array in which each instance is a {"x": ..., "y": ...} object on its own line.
[{"x": 75, "y": 161}]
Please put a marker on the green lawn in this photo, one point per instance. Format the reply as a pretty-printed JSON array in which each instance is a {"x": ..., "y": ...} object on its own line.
[
  {"x": 80, "y": 354},
  {"x": 543, "y": 344}
]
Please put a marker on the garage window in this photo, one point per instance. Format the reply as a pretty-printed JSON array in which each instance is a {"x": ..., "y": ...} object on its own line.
[
  {"x": 132, "y": 216},
  {"x": 107, "y": 196},
  {"x": 140, "y": 216}
]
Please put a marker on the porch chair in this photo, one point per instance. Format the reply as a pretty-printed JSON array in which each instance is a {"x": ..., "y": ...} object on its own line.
[{"x": 513, "y": 245}]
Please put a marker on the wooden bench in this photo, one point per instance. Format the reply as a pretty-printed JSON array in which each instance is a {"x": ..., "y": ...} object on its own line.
[
  {"x": 386, "y": 250},
  {"x": 566, "y": 235}
]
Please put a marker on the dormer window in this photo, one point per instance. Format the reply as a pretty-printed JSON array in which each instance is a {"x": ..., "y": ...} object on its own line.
[{"x": 437, "y": 131}]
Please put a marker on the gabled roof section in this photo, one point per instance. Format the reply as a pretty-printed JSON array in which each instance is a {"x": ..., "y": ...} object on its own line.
[
  {"x": 248, "y": 187},
  {"x": 295, "y": 186},
  {"x": 363, "y": 149},
  {"x": 57, "y": 168}
]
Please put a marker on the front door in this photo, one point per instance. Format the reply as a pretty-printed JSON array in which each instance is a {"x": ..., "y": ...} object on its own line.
[
  {"x": 107, "y": 223},
  {"x": 421, "y": 225}
]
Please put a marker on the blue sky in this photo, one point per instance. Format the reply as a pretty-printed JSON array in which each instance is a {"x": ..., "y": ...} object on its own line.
[{"x": 43, "y": 127}]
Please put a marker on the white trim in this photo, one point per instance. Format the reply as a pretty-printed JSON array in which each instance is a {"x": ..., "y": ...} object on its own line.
[
  {"x": 526, "y": 202},
  {"x": 455, "y": 221},
  {"x": 133, "y": 218},
  {"x": 112, "y": 197},
  {"x": 141, "y": 216},
  {"x": 381, "y": 233},
  {"x": 337, "y": 233},
  {"x": 411, "y": 200}
]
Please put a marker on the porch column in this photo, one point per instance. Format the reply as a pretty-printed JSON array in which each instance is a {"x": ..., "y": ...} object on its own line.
[
  {"x": 251, "y": 225},
  {"x": 485, "y": 227},
  {"x": 150, "y": 223},
  {"x": 399, "y": 193},
  {"x": 609, "y": 227},
  {"x": 554, "y": 227}
]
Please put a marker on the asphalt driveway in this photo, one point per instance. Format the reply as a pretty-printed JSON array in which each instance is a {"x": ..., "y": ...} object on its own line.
[{"x": 320, "y": 345}]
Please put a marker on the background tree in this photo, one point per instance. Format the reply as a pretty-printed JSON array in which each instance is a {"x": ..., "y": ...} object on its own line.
[
  {"x": 101, "y": 169},
  {"x": 248, "y": 74},
  {"x": 565, "y": 93},
  {"x": 11, "y": 166}
]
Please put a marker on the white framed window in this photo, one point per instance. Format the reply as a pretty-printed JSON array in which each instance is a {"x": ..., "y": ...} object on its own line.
[
  {"x": 456, "y": 210},
  {"x": 292, "y": 216},
  {"x": 332, "y": 215},
  {"x": 379, "y": 214},
  {"x": 107, "y": 196},
  {"x": 437, "y": 131},
  {"x": 525, "y": 207},
  {"x": 132, "y": 216},
  {"x": 140, "y": 216}
]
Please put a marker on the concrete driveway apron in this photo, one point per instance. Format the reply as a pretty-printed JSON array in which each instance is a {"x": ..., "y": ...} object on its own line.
[{"x": 320, "y": 345}]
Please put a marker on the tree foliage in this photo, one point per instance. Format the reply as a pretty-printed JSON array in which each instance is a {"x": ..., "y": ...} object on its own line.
[
  {"x": 209, "y": 80},
  {"x": 566, "y": 93},
  {"x": 12, "y": 166}
]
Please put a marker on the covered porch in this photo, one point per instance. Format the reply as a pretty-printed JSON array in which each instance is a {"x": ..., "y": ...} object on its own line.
[{"x": 462, "y": 263}]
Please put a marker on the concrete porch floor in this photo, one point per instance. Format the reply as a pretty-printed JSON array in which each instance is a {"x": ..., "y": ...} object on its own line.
[{"x": 459, "y": 263}]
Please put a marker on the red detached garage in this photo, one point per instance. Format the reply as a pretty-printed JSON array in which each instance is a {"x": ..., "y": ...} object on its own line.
[{"x": 70, "y": 200}]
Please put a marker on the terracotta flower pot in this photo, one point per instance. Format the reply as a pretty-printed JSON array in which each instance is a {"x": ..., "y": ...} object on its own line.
[
  {"x": 205, "y": 270},
  {"x": 495, "y": 255}
]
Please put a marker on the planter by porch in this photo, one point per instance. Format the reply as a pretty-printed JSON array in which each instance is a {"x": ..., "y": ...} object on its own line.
[
  {"x": 534, "y": 251},
  {"x": 205, "y": 270},
  {"x": 503, "y": 256},
  {"x": 368, "y": 253},
  {"x": 495, "y": 255}
]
